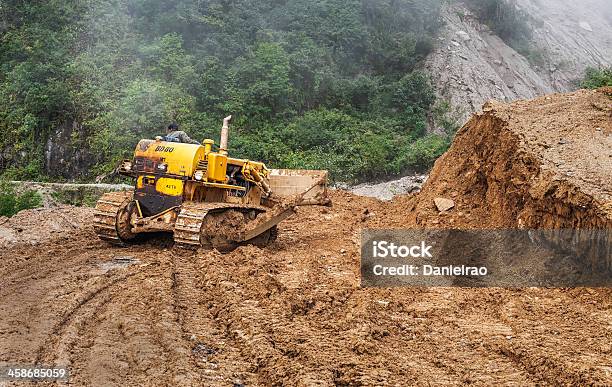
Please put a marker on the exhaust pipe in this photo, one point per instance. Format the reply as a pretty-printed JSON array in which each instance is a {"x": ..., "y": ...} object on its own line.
[{"x": 224, "y": 135}]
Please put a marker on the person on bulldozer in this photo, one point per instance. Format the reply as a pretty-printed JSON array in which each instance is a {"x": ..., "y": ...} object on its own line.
[{"x": 175, "y": 135}]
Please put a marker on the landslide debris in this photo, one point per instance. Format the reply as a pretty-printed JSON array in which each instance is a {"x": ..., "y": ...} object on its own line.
[{"x": 541, "y": 163}]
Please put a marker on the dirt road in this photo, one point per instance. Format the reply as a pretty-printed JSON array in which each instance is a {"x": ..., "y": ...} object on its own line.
[{"x": 294, "y": 313}]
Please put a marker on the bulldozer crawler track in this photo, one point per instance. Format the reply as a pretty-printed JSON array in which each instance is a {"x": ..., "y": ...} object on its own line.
[
  {"x": 188, "y": 227},
  {"x": 105, "y": 215}
]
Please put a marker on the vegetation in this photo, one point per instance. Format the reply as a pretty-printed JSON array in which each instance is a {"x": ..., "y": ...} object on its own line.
[
  {"x": 319, "y": 84},
  {"x": 594, "y": 78},
  {"x": 76, "y": 197},
  {"x": 11, "y": 202}
]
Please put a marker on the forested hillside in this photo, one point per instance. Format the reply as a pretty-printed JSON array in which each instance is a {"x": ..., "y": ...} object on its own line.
[{"x": 331, "y": 84}]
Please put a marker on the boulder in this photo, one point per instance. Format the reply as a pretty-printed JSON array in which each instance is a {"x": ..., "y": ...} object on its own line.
[
  {"x": 444, "y": 204},
  {"x": 463, "y": 35}
]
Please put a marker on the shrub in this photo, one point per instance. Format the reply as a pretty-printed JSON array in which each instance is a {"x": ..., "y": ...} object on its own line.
[
  {"x": 594, "y": 78},
  {"x": 12, "y": 202},
  {"x": 422, "y": 153}
]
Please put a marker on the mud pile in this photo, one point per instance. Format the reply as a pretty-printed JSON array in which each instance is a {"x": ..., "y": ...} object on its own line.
[
  {"x": 41, "y": 224},
  {"x": 543, "y": 163},
  {"x": 294, "y": 313}
]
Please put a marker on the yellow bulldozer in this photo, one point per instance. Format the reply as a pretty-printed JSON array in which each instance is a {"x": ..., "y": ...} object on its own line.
[{"x": 204, "y": 197}]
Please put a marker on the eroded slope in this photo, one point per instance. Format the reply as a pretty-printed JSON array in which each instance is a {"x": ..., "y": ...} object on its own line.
[{"x": 545, "y": 163}]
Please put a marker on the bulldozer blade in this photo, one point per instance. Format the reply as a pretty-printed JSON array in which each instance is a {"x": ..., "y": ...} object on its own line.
[
  {"x": 311, "y": 184},
  {"x": 295, "y": 188},
  {"x": 267, "y": 224}
]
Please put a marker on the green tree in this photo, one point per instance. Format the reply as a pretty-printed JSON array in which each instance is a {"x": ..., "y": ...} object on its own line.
[
  {"x": 261, "y": 90},
  {"x": 327, "y": 84},
  {"x": 11, "y": 201}
]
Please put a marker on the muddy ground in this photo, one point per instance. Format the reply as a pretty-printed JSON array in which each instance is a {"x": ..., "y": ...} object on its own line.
[{"x": 294, "y": 313}]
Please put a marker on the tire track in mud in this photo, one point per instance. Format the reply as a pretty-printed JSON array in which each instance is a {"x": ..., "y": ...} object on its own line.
[
  {"x": 164, "y": 326},
  {"x": 186, "y": 361},
  {"x": 35, "y": 288},
  {"x": 512, "y": 339},
  {"x": 210, "y": 353},
  {"x": 41, "y": 266},
  {"x": 75, "y": 338},
  {"x": 81, "y": 313},
  {"x": 153, "y": 312}
]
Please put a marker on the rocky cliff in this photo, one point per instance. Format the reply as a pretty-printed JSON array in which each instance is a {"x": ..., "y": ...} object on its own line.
[{"x": 471, "y": 64}]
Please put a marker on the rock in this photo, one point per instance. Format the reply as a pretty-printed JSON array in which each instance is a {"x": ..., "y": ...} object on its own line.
[
  {"x": 444, "y": 204},
  {"x": 456, "y": 44},
  {"x": 366, "y": 214},
  {"x": 489, "y": 105},
  {"x": 585, "y": 26},
  {"x": 463, "y": 35},
  {"x": 387, "y": 190}
]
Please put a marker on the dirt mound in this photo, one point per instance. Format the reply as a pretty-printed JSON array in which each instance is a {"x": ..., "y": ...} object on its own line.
[
  {"x": 543, "y": 163},
  {"x": 294, "y": 313},
  {"x": 41, "y": 224}
]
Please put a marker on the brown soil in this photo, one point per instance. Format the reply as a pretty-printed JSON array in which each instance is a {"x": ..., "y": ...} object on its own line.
[
  {"x": 294, "y": 314},
  {"x": 41, "y": 224}
]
